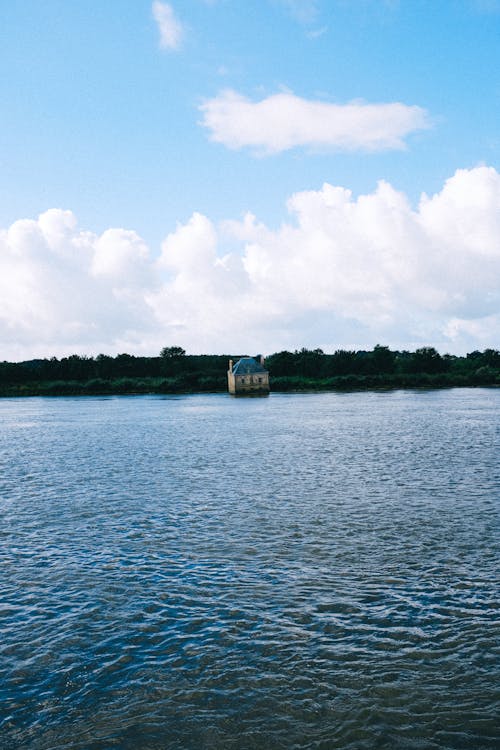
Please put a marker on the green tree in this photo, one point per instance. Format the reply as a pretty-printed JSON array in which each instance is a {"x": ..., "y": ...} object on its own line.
[
  {"x": 427, "y": 359},
  {"x": 383, "y": 359},
  {"x": 281, "y": 363},
  {"x": 172, "y": 352}
]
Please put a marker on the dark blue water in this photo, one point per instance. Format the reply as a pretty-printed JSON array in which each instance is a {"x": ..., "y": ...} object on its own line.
[{"x": 298, "y": 571}]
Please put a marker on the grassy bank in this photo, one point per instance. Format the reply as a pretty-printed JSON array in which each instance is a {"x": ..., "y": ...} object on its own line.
[{"x": 284, "y": 384}]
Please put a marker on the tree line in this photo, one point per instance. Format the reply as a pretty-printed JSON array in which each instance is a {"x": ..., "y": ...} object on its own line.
[
  {"x": 383, "y": 367},
  {"x": 175, "y": 371}
]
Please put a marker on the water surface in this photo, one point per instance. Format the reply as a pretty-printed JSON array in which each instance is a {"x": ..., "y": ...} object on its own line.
[{"x": 298, "y": 571}]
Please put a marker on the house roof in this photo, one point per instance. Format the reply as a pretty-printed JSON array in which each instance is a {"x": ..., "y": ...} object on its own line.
[{"x": 247, "y": 366}]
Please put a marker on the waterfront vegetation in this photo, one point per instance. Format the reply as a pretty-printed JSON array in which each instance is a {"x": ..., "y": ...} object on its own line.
[{"x": 174, "y": 371}]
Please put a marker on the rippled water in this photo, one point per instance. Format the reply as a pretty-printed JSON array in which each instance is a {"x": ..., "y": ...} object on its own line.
[{"x": 298, "y": 571}]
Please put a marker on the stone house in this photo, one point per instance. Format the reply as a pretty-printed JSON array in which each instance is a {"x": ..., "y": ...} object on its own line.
[{"x": 248, "y": 375}]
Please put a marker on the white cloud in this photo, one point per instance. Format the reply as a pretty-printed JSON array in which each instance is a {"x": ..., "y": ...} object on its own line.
[
  {"x": 316, "y": 33},
  {"x": 170, "y": 28},
  {"x": 303, "y": 11},
  {"x": 343, "y": 271},
  {"x": 63, "y": 289},
  {"x": 284, "y": 121}
]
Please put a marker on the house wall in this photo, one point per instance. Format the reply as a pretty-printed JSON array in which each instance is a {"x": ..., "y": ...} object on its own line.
[{"x": 255, "y": 383}]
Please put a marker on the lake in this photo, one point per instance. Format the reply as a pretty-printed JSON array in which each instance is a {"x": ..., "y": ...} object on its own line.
[{"x": 298, "y": 571}]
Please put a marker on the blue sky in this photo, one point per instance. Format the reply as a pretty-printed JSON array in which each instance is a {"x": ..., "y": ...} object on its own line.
[{"x": 102, "y": 119}]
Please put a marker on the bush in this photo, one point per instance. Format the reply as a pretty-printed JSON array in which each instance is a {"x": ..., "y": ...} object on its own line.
[{"x": 97, "y": 385}]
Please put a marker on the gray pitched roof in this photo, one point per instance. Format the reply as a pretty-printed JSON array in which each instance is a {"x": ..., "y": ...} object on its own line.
[{"x": 247, "y": 366}]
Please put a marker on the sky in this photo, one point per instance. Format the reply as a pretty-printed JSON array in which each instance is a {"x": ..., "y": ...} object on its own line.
[{"x": 248, "y": 175}]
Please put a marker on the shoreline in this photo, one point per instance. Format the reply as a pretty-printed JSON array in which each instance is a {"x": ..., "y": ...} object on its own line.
[{"x": 80, "y": 390}]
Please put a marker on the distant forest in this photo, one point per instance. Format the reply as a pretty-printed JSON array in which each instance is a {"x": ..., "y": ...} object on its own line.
[{"x": 174, "y": 371}]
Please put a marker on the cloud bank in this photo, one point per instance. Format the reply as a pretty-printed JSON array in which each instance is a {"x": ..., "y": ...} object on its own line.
[
  {"x": 284, "y": 121},
  {"x": 342, "y": 272},
  {"x": 170, "y": 28}
]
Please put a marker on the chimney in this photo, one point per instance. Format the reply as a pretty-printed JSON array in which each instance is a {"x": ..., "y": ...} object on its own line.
[
  {"x": 262, "y": 360},
  {"x": 230, "y": 365}
]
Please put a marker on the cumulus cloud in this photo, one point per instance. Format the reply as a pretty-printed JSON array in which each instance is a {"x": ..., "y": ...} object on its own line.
[
  {"x": 63, "y": 289},
  {"x": 169, "y": 26},
  {"x": 285, "y": 121},
  {"x": 343, "y": 271}
]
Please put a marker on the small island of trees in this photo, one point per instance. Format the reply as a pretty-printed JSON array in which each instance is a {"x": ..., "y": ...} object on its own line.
[{"x": 174, "y": 371}]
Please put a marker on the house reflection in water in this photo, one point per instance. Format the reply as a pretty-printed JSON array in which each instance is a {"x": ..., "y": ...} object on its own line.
[{"x": 248, "y": 376}]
